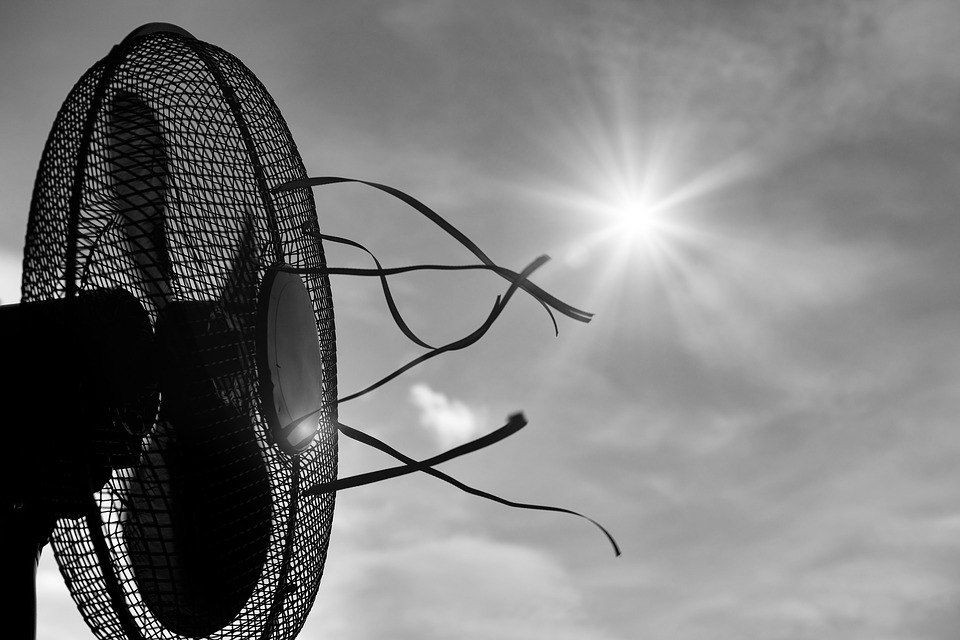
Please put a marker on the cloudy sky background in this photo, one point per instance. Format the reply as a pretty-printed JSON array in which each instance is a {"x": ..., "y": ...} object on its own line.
[{"x": 763, "y": 410}]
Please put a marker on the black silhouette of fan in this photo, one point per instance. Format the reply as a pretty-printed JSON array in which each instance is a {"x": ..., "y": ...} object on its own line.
[
  {"x": 191, "y": 371},
  {"x": 176, "y": 330}
]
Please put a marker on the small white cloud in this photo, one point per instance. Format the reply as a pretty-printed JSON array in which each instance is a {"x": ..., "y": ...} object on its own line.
[{"x": 450, "y": 421}]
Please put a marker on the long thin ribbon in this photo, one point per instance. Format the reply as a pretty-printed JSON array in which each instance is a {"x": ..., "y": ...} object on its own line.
[
  {"x": 514, "y": 424},
  {"x": 388, "y": 296},
  {"x": 542, "y": 296},
  {"x": 462, "y": 343},
  {"x": 382, "y": 273}
]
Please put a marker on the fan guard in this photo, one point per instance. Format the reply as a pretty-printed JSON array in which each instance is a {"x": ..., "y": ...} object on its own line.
[{"x": 157, "y": 179}]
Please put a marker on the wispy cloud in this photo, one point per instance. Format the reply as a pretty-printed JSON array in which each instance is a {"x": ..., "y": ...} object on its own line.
[{"x": 448, "y": 420}]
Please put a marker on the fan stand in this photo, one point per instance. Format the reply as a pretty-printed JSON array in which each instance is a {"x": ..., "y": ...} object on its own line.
[{"x": 23, "y": 534}]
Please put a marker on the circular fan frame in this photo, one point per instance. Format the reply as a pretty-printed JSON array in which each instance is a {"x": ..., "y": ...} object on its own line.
[{"x": 221, "y": 228}]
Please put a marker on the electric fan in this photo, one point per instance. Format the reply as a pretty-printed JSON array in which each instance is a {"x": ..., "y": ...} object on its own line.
[
  {"x": 197, "y": 379},
  {"x": 176, "y": 328}
]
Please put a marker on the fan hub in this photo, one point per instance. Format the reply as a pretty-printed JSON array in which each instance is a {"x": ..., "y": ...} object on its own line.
[{"x": 289, "y": 361}]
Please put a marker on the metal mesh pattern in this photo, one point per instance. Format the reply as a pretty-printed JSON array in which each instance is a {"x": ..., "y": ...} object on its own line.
[{"x": 156, "y": 179}]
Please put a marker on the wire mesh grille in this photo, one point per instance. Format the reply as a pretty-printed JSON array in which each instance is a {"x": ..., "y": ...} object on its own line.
[{"x": 156, "y": 179}]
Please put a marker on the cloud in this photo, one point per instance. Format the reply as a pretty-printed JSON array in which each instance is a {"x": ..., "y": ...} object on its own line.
[{"x": 450, "y": 421}]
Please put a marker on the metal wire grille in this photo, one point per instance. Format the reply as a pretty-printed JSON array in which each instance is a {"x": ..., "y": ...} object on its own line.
[{"x": 156, "y": 179}]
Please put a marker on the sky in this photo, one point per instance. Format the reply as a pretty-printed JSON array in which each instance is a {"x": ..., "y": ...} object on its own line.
[{"x": 758, "y": 201}]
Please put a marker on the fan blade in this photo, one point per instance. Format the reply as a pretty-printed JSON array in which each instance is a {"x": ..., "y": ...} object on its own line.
[
  {"x": 242, "y": 276},
  {"x": 198, "y": 529},
  {"x": 139, "y": 172}
]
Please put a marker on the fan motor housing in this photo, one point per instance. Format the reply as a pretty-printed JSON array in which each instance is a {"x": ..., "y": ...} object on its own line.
[{"x": 86, "y": 378}]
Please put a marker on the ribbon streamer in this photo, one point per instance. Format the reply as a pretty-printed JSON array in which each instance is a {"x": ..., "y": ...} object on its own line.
[
  {"x": 514, "y": 423},
  {"x": 542, "y": 296}
]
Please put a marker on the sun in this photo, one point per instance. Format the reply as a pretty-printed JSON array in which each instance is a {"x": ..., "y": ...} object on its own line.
[{"x": 638, "y": 218}]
